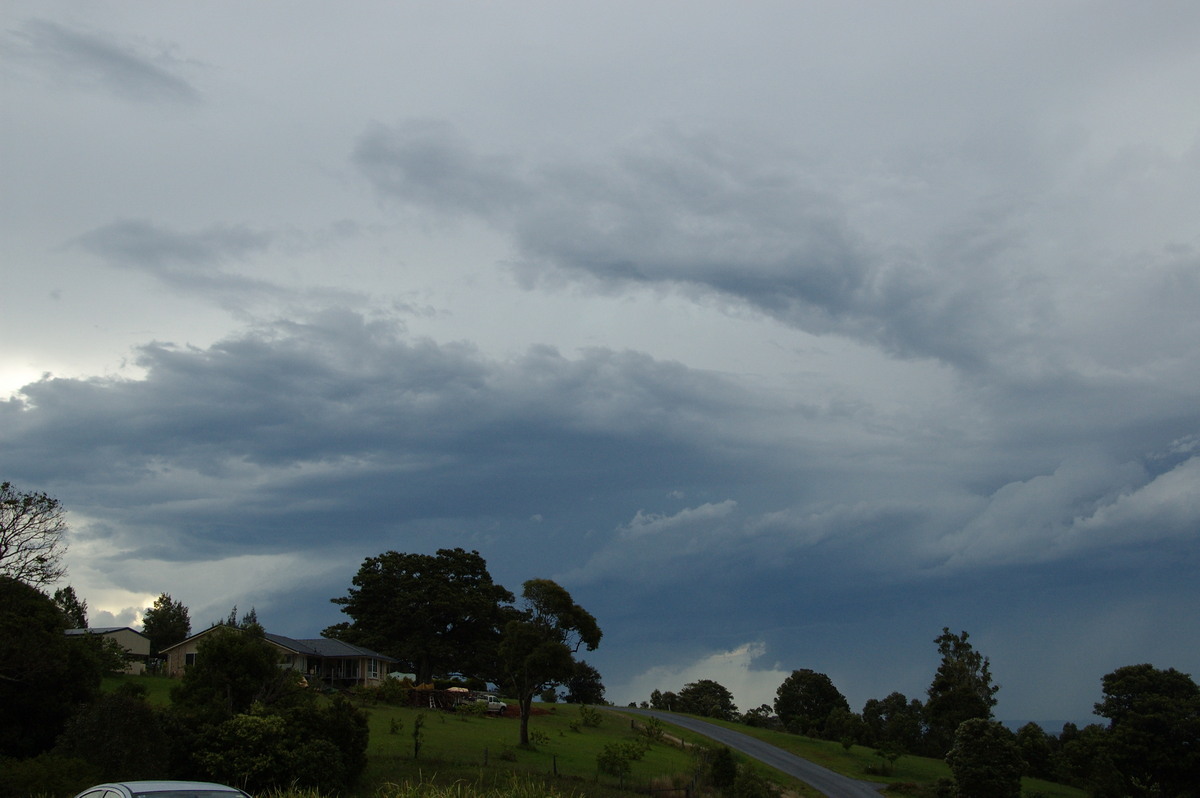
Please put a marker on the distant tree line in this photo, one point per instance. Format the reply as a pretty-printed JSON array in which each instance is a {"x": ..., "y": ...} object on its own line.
[{"x": 1151, "y": 745}]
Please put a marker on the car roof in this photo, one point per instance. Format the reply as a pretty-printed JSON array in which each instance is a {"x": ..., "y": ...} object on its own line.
[{"x": 164, "y": 786}]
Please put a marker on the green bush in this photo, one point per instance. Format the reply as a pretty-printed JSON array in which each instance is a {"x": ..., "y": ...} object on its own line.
[
  {"x": 395, "y": 692},
  {"x": 122, "y": 736},
  {"x": 590, "y": 716},
  {"x": 614, "y": 760},
  {"x": 47, "y": 774},
  {"x": 308, "y": 746}
]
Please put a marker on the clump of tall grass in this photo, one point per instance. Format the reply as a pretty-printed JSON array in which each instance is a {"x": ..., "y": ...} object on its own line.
[{"x": 517, "y": 787}]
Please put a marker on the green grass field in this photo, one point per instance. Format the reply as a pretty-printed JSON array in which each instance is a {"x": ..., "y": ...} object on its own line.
[
  {"x": 465, "y": 752},
  {"x": 861, "y": 763}
]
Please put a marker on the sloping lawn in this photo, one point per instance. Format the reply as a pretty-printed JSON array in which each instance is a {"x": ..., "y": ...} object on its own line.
[{"x": 861, "y": 762}]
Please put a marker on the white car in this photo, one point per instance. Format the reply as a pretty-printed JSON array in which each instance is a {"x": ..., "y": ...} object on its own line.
[{"x": 162, "y": 789}]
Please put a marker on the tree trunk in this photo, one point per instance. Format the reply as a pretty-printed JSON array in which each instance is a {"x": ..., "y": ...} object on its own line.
[{"x": 526, "y": 707}]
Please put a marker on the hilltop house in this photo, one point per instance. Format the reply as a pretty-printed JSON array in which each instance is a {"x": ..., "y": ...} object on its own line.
[
  {"x": 136, "y": 644},
  {"x": 332, "y": 662}
]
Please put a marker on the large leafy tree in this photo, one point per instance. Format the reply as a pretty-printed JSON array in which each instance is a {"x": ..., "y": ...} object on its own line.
[
  {"x": 438, "y": 613},
  {"x": 707, "y": 698},
  {"x": 1154, "y": 728},
  {"x": 584, "y": 686},
  {"x": 985, "y": 761},
  {"x": 166, "y": 623},
  {"x": 539, "y": 643},
  {"x": 805, "y": 699},
  {"x": 894, "y": 722},
  {"x": 961, "y": 689},
  {"x": 32, "y": 526},
  {"x": 74, "y": 609},
  {"x": 44, "y": 675}
]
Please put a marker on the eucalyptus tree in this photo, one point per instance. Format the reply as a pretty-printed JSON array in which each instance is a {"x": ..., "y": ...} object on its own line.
[{"x": 537, "y": 649}]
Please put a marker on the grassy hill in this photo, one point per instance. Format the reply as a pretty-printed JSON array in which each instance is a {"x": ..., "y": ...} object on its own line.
[
  {"x": 862, "y": 763},
  {"x": 464, "y": 756}
]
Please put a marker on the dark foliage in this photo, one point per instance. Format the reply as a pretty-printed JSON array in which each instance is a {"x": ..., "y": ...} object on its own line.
[
  {"x": 120, "y": 735},
  {"x": 706, "y": 698},
  {"x": 961, "y": 690},
  {"x": 44, "y": 676},
  {"x": 584, "y": 686},
  {"x": 804, "y": 701},
  {"x": 437, "y": 614},
  {"x": 1154, "y": 730},
  {"x": 985, "y": 761}
]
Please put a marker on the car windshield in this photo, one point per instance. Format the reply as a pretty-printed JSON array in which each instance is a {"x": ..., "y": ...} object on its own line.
[{"x": 190, "y": 794}]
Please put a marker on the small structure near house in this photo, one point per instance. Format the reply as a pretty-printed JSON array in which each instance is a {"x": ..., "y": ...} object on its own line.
[
  {"x": 333, "y": 663},
  {"x": 136, "y": 644}
]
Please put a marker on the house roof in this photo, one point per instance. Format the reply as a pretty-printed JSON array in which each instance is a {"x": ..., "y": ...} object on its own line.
[
  {"x": 313, "y": 647},
  {"x": 104, "y": 630}
]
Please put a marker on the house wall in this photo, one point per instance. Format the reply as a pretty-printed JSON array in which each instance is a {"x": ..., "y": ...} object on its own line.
[
  {"x": 136, "y": 644},
  {"x": 131, "y": 641},
  {"x": 184, "y": 654},
  {"x": 179, "y": 657}
]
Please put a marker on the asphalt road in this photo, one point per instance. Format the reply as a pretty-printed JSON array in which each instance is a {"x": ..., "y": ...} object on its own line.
[{"x": 834, "y": 785}]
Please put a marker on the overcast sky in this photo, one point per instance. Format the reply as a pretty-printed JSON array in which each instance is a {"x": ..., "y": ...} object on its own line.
[{"x": 781, "y": 334}]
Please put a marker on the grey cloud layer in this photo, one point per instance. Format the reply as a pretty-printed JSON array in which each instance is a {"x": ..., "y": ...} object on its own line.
[
  {"x": 341, "y": 411},
  {"x": 984, "y": 288},
  {"x": 90, "y": 60},
  {"x": 274, "y": 435}
]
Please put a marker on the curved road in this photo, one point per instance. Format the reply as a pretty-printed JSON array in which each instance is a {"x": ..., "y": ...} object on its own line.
[{"x": 834, "y": 785}]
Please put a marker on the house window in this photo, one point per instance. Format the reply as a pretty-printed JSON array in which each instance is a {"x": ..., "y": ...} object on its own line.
[
  {"x": 372, "y": 669},
  {"x": 189, "y": 659}
]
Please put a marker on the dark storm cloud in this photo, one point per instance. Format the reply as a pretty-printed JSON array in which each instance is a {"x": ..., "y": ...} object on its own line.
[
  {"x": 91, "y": 59},
  {"x": 271, "y": 437},
  {"x": 702, "y": 216}
]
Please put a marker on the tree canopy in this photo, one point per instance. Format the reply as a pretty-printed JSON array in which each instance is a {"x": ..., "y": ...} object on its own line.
[
  {"x": 539, "y": 642},
  {"x": 584, "y": 685},
  {"x": 438, "y": 614},
  {"x": 73, "y": 608},
  {"x": 166, "y": 623},
  {"x": 235, "y": 669},
  {"x": 32, "y": 526},
  {"x": 805, "y": 699},
  {"x": 985, "y": 761},
  {"x": 44, "y": 675},
  {"x": 707, "y": 698},
  {"x": 894, "y": 722},
  {"x": 962, "y": 689},
  {"x": 1154, "y": 729}
]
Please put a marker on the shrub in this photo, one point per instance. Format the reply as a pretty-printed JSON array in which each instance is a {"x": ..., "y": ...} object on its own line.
[
  {"x": 590, "y": 716},
  {"x": 985, "y": 761},
  {"x": 48, "y": 774},
  {"x": 653, "y": 730},
  {"x": 307, "y": 746},
  {"x": 122, "y": 736},
  {"x": 614, "y": 760},
  {"x": 722, "y": 769},
  {"x": 395, "y": 692},
  {"x": 750, "y": 784}
]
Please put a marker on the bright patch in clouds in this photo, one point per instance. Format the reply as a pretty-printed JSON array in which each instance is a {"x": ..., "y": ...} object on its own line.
[{"x": 751, "y": 687}]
